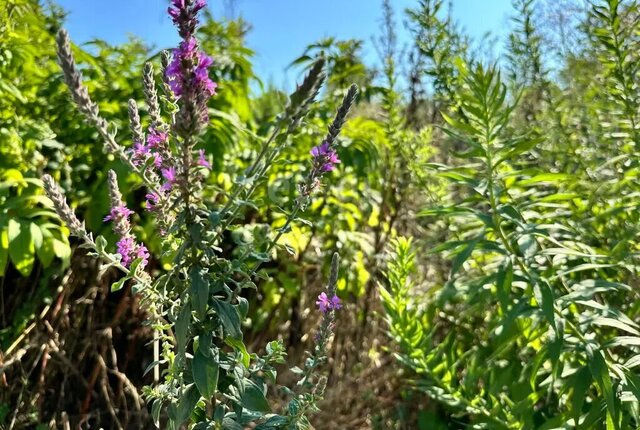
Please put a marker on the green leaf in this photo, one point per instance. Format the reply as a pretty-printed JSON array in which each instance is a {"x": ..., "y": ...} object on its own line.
[
  {"x": 600, "y": 372},
  {"x": 4, "y": 250},
  {"x": 205, "y": 373},
  {"x": 230, "y": 318},
  {"x": 463, "y": 255},
  {"x": 156, "y": 408},
  {"x": 21, "y": 246},
  {"x": 273, "y": 422},
  {"x": 182, "y": 327},
  {"x": 199, "y": 291},
  {"x": 36, "y": 235},
  {"x": 119, "y": 284},
  {"x": 239, "y": 346},
  {"x": 580, "y": 382},
  {"x": 545, "y": 298},
  {"x": 45, "y": 252},
  {"x": 231, "y": 424},
  {"x": 101, "y": 244},
  {"x": 187, "y": 403},
  {"x": 254, "y": 397},
  {"x": 612, "y": 322}
]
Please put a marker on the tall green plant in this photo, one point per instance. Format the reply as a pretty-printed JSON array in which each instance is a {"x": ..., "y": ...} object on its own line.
[{"x": 522, "y": 335}]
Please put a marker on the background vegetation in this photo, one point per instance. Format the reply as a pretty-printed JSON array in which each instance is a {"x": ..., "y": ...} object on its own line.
[{"x": 486, "y": 213}]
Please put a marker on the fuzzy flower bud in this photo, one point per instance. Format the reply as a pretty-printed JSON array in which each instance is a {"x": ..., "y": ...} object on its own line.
[{"x": 62, "y": 207}]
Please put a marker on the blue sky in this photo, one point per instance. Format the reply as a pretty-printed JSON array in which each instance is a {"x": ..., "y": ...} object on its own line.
[{"x": 281, "y": 28}]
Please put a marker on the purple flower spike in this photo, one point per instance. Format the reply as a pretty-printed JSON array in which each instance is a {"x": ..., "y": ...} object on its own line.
[{"x": 188, "y": 72}]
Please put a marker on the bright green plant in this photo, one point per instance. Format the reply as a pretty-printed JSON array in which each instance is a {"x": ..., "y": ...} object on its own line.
[{"x": 522, "y": 335}]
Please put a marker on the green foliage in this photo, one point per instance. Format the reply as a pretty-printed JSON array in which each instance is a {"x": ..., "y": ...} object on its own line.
[
  {"x": 513, "y": 305},
  {"x": 29, "y": 228},
  {"x": 533, "y": 328}
]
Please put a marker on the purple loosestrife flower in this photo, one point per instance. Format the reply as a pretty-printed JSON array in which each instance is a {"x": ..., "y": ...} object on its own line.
[
  {"x": 202, "y": 160},
  {"x": 127, "y": 247},
  {"x": 118, "y": 214},
  {"x": 157, "y": 143},
  {"x": 325, "y": 304},
  {"x": 140, "y": 153},
  {"x": 156, "y": 138},
  {"x": 151, "y": 201},
  {"x": 324, "y": 157},
  {"x": 335, "y": 302},
  {"x": 129, "y": 250},
  {"x": 196, "y": 74},
  {"x": 188, "y": 72},
  {"x": 184, "y": 15},
  {"x": 169, "y": 174}
]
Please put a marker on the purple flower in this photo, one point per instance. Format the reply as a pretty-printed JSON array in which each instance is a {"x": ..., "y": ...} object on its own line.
[
  {"x": 152, "y": 201},
  {"x": 156, "y": 138},
  {"x": 325, "y": 157},
  {"x": 140, "y": 153},
  {"x": 185, "y": 52},
  {"x": 187, "y": 55},
  {"x": 187, "y": 75},
  {"x": 202, "y": 160},
  {"x": 202, "y": 74},
  {"x": 335, "y": 302},
  {"x": 325, "y": 304},
  {"x": 129, "y": 250},
  {"x": 175, "y": 10},
  {"x": 143, "y": 253},
  {"x": 169, "y": 174},
  {"x": 118, "y": 213}
]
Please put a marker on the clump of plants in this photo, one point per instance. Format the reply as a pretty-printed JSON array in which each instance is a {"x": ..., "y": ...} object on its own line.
[{"x": 204, "y": 373}]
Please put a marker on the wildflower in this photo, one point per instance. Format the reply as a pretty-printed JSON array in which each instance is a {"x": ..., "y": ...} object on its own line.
[
  {"x": 169, "y": 174},
  {"x": 202, "y": 160},
  {"x": 335, "y": 302},
  {"x": 187, "y": 74},
  {"x": 127, "y": 247},
  {"x": 118, "y": 213},
  {"x": 325, "y": 304},
  {"x": 129, "y": 250},
  {"x": 325, "y": 157},
  {"x": 156, "y": 138},
  {"x": 180, "y": 77},
  {"x": 151, "y": 201},
  {"x": 140, "y": 153}
]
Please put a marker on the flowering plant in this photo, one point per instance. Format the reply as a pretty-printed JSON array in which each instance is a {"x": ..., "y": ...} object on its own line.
[{"x": 197, "y": 308}]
